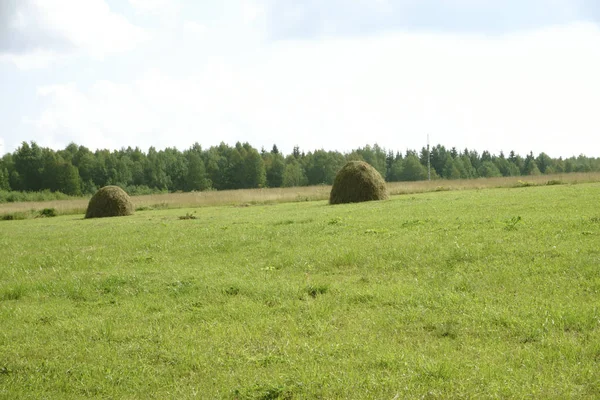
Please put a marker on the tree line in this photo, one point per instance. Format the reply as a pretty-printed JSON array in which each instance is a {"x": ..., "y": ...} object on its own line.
[{"x": 77, "y": 170}]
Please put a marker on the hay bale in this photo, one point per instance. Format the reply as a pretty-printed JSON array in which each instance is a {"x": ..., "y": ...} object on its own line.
[
  {"x": 357, "y": 181},
  {"x": 109, "y": 201}
]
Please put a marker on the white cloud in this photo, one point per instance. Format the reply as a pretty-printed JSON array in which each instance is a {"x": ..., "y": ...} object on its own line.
[
  {"x": 43, "y": 30},
  {"x": 531, "y": 91},
  {"x": 155, "y": 6},
  {"x": 33, "y": 60},
  {"x": 315, "y": 18},
  {"x": 91, "y": 25},
  {"x": 194, "y": 28},
  {"x": 167, "y": 12},
  {"x": 251, "y": 10}
]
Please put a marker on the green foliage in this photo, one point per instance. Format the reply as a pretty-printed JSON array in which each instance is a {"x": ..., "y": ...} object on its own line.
[
  {"x": 196, "y": 177},
  {"x": 356, "y": 182},
  {"x": 21, "y": 215},
  {"x": 394, "y": 173},
  {"x": 45, "y": 195},
  {"x": 374, "y": 156},
  {"x": 67, "y": 179},
  {"x": 530, "y": 166},
  {"x": 48, "y": 212},
  {"x": 506, "y": 167},
  {"x": 175, "y": 165},
  {"x": 452, "y": 169},
  {"x": 143, "y": 190},
  {"x": 16, "y": 216},
  {"x": 109, "y": 201},
  {"x": 544, "y": 163},
  {"x": 29, "y": 166},
  {"x": 275, "y": 168},
  {"x": 322, "y": 166},
  {"x": 77, "y": 170},
  {"x": 412, "y": 169},
  {"x": 255, "y": 175},
  {"x": 468, "y": 170},
  {"x": 239, "y": 167},
  {"x": 440, "y": 158},
  {"x": 294, "y": 175},
  {"x": 4, "y": 180},
  {"x": 488, "y": 169}
]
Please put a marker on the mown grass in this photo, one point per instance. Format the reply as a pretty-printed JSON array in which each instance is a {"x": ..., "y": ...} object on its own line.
[
  {"x": 247, "y": 197},
  {"x": 451, "y": 294}
]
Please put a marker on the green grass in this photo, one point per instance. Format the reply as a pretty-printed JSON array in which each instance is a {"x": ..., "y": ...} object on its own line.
[
  {"x": 18, "y": 215},
  {"x": 26, "y": 205},
  {"x": 453, "y": 294},
  {"x": 44, "y": 195}
]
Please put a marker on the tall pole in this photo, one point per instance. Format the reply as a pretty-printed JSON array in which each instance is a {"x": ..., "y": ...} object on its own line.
[{"x": 428, "y": 160}]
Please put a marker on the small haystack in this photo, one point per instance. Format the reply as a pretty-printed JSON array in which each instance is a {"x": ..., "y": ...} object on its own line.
[
  {"x": 357, "y": 181},
  {"x": 110, "y": 201}
]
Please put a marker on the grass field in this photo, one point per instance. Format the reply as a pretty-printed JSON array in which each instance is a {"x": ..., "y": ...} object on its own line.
[
  {"x": 292, "y": 194},
  {"x": 489, "y": 293}
]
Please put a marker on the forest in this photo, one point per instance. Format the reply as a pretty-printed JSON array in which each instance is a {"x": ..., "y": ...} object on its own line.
[{"x": 77, "y": 170}]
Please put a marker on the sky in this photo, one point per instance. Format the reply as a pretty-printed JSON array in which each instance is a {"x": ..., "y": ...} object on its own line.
[{"x": 520, "y": 75}]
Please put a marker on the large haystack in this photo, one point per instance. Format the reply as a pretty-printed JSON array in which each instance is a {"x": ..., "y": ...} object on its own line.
[
  {"x": 357, "y": 181},
  {"x": 110, "y": 201}
]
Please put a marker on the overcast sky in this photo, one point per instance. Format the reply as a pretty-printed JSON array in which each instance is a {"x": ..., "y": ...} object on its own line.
[{"x": 519, "y": 75}]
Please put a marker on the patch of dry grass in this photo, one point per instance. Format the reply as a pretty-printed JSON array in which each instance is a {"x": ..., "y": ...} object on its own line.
[
  {"x": 233, "y": 197},
  {"x": 246, "y": 197},
  {"x": 396, "y": 188},
  {"x": 182, "y": 200},
  {"x": 62, "y": 207}
]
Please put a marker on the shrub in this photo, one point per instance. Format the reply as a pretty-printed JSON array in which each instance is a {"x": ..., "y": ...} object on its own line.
[
  {"x": 48, "y": 212},
  {"x": 18, "y": 215},
  {"x": 357, "y": 181},
  {"x": 110, "y": 201},
  {"x": 44, "y": 195}
]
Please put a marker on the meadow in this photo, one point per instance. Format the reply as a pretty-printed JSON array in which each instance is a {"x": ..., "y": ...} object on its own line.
[
  {"x": 473, "y": 293},
  {"x": 77, "y": 205}
]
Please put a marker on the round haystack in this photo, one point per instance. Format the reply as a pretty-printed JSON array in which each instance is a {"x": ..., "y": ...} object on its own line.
[
  {"x": 110, "y": 201},
  {"x": 357, "y": 181}
]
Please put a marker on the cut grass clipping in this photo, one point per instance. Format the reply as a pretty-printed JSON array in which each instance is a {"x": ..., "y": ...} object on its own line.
[
  {"x": 357, "y": 181},
  {"x": 110, "y": 201}
]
